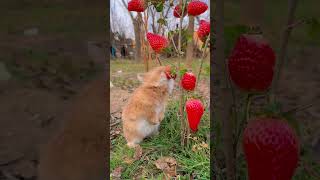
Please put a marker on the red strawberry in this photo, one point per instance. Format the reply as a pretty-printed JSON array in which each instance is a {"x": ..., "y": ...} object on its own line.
[
  {"x": 194, "y": 110},
  {"x": 178, "y": 11},
  {"x": 169, "y": 73},
  {"x": 196, "y": 8},
  {"x": 204, "y": 30},
  {"x": 188, "y": 81},
  {"x": 157, "y": 42},
  {"x": 137, "y": 5},
  {"x": 271, "y": 149},
  {"x": 251, "y": 63}
]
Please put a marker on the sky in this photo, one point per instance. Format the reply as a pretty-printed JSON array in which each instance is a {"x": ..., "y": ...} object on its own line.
[{"x": 120, "y": 20}]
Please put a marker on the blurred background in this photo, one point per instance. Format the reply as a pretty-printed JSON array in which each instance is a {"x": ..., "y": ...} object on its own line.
[{"x": 48, "y": 50}]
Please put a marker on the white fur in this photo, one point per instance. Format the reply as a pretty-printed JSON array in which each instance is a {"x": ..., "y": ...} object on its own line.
[
  {"x": 147, "y": 129},
  {"x": 170, "y": 85}
]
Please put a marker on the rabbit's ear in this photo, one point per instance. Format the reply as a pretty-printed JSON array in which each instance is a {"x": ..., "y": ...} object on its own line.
[{"x": 140, "y": 77}]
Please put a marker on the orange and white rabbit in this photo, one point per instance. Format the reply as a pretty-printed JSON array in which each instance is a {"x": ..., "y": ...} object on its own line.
[{"x": 145, "y": 109}]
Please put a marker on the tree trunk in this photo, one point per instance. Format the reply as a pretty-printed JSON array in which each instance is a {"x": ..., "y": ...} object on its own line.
[
  {"x": 137, "y": 34},
  {"x": 223, "y": 102},
  {"x": 137, "y": 23},
  {"x": 190, "y": 44}
]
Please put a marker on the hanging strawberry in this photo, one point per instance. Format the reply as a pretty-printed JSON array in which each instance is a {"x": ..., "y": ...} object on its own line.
[
  {"x": 188, "y": 81},
  {"x": 204, "y": 30},
  {"x": 137, "y": 5},
  {"x": 196, "y": 7},
  {"x": 157, "y": 42},
  {"x": 271, "y": 149},
  {"x": 195, "y": 109},
  {"x": 251, "y": 63}
]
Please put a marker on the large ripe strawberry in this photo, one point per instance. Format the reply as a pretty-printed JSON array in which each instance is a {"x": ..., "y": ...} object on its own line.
[
  {"x": 157, "y": 42},
  {"x": 195, "y": 109},
  {"x": 196, "y": 7},
  {"x": 178, "y": 11},
  {"x": 137, "y": 5},
  {"x": 251, "y": 63},
  {"x": 188, "y": 81},
  {"x": 271, "y": 149},
  {"x": 204, "y": 30}
]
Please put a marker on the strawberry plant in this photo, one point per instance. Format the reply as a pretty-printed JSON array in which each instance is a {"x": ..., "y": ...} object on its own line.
[
  {"x": 263, "y": 141},
  {"x": 155, "y": 44}
]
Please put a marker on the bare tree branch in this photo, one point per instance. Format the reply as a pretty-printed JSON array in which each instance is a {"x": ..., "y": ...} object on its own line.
[
  {"x": 124, "y": 3},
  {"x": 283, "y": 47}
]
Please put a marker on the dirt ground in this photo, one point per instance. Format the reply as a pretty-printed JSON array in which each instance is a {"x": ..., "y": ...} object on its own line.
[{"x": 32, "y": 105}]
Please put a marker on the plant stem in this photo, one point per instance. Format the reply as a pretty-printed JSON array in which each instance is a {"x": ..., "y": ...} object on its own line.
[
  {"x": 158, "y": 59},
  {"x": 182, "y": 119},
  {"x": 283, "y": 48},
  {"x": 202, "y": 59},
  {"x": 243, "y": 121}
]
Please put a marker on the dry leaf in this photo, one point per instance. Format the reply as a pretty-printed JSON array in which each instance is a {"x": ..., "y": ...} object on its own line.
[
  {"x": 204, "y": 145},
  {"x": 138, "y": 153},
  {"x": 116, "y": 173},
  {"x": 194, "y": 148},
  {"x": 167, "y": 165},
  {"x": 128, "y": 160}
]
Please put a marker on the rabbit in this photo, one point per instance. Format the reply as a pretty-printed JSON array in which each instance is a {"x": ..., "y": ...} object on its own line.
[
  {"x": 78, "y": 150},
  {"x": 145, "y": 109}
]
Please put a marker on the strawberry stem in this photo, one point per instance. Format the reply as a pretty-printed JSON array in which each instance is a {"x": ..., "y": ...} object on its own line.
[
  {"x": 202, "y": 59},
  {"x": 158, "y": 59},
  {"x": 243, "y": 120}
]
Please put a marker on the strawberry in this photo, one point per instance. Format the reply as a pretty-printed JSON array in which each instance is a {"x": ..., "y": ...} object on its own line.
[
  {"x": 251, "y": 63},
  {"x": 178, "y": 11},
  {"x": 196, "y": 7},
  {"x": 204, "y": 30},
  {"x": 170, "y": 74},
  {"x": 271, "y": 149},
  {"x": 188, "y": 81},
  {"x": 137, "y": 5},
  {"x": 195, "y": 109},
  {"x": 157, "y": 42}
]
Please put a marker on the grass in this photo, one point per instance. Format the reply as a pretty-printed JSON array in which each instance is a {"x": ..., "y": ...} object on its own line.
[
  {"x": 132, "y": 67},
  {"x": 167, "y": 143}
]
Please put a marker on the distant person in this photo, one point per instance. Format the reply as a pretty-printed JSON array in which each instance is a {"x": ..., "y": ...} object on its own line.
[
  {"x": 113, "y": 52},
  {"x": 123, "y": 51}
]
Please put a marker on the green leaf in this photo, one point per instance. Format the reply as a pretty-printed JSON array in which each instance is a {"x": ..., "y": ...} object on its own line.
[
  {"x": 162, "y": 21},
  {"x": 183, "y": 71},
  {"x": 159, "y": 6},
  {"x": 313, "y": 29},
  {"x": 293, "y": 123},
  {"x": 273, "y": 108},
  {"x": 232, "y": 33}
]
